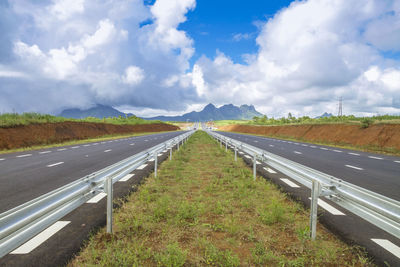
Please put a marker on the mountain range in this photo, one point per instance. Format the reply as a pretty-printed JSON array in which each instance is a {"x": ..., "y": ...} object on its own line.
[{"x": 209, "y": 112}]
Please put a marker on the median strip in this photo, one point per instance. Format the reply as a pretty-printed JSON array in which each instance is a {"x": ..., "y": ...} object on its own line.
[{"x": 203, "y": 209}]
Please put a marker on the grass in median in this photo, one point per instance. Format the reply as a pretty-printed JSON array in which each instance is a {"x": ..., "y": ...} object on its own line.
[{"x": 205, "y": 209}]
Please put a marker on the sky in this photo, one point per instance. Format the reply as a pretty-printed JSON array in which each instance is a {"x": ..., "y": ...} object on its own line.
[{"x": 167, "y": 57}]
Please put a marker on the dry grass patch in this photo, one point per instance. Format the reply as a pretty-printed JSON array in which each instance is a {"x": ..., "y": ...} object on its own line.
[{"x": 205, "y": 209}]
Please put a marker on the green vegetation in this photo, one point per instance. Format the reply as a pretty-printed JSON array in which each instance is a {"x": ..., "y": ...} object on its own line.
[
  {"x": 204, "y": 209},
  {"x": 351, "y": 119},
  {"x": 15, "y": 119}
]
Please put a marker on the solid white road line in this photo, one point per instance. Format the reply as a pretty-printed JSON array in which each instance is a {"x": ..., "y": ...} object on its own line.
[
  {"x": 332, "y": 210},
  {"x": 289, "y": 183},
  {"x": 141, "y": 167},
  {"x": 389, "y": 246},
  {"x": 44, "y": 152},
  {"x": 55, "y": 164},
  {"x": 269, "y": 170},
  {"x": 40, "y": 238},
  {"x": 297, "y": 152},
  {"x": 96, "y": 198},
  {"x": 372, "y": 157},
  {"x": 61, "y": 149},
  {"x": 354, "y": 154},
  {"x": 108, "y": 150},
  {"x": 75, "y": 146},
  {"x": 339, "y": 151},
  {"x": 126, "y": 177},
  {"x": 23, "y": 156},
  {"x": 354, "y": 167}
]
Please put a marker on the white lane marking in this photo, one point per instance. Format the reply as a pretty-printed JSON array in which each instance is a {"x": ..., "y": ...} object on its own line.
[
  {"x": 142, "y": 167},
  {"x": 146, "y": 140},
  {"x": 44, "y": 152},
  {"x": 132, "y": 144},
  {"x": 313, "y": 146},
  {"x": 75, "y": 146},
  {"x": 55, "y": 164},
  {"x": 61, "y": 149},
  {"x": 95, "y": 144},
  {"x": 2, "y": 159},
  {"x": 290, "y": 142},
  {"x": 397, "y": 161},
  {"x": 372, "y": 157},
  {"x": 304, "y": 145},
  {"x": 247, "y": 156},
  {"x": 96, "y": 198},
  {"x": 255, "y": 141},
  {"x": 335, "y": 150},
  {"x": 271, "y": 145},
  {"x": 297, "y": 152},
  {"x": 108, "y": 150},
  {"x": 289, "y": 183},
  {"x": 269, "y": 170},
  {"x": 354, "y": 167},
  {"x": 86, "y": 145},
  {"x": 323, "y": 148},
  {"x": 389, "y": 246},
  {"x": 296, "y": 143},
  {"x": 103, "y": 142},
  {"x": 354, "y": 154},
  {"x": 40, "y": 238},
  {"x": 126, "y": 177},
  {"x": 332, "y": 210},
  {"x": 23, "y": 156}
]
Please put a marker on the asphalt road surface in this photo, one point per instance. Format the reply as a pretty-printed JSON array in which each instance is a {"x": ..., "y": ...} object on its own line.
[
  {"x": 29, "y": 174},
  {"x": 376, "y": 172}
]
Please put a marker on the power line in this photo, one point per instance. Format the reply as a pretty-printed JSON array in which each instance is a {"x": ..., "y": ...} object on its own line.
[{"x": 340, "y": 112}]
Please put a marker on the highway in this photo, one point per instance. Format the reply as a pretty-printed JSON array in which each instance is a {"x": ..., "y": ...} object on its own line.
[
  {"x": 29, "y": 174},
  {"x": 376, "y": 172}
]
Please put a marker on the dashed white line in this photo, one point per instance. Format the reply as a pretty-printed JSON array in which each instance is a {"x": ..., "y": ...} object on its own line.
[
  {"x": 44, "y": 152},
  {"x": 132, "y": 144},
  {"x": 389, "y": 246},
  {"x": 297, "y": 152},
  {"x": 96, "y": 198},
  {"x": 2, "y": 159},
  {"x": 40, "y": 238},
  {"x": 372, "y": 157},
  {"x": 271, "y": 145},
  {"x": 141, "y": 167},
  {"x": 146, "y": 140},
  {"x": 338, "y": 151},
  {"x": 332, "y": 210},
  {"x": 289, "y": 183},
  {"x": 354, "y": 167},
  {"x": 304, "y": 145},
  {"x": 255, "y": 141},
  {"x": 324, "y": 148},
  {"x": 269, "y": 170},
  {"x": 397, "y": 161},
  {"x": 108, "y": 150},
  {"x": 126, "y": 177},
  {"x": 86, "y": 145},
  {"x": 75, "y": 147},
  {"x": 55, "y": 164},
  {"x": 61, "y": 149},
  {"x": 25, "y": 155},
  {"x": 95, "y": 144},
  {"x": 354, "y": 154},
  {"x": 313, "y": 146}
]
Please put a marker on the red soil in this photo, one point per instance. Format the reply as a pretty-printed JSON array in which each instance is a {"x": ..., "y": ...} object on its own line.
[
  {"x": 50, "y": 133},
  {"x": 377, "y": 135}
]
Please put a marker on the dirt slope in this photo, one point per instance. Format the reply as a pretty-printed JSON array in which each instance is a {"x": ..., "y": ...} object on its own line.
[
  {"x": 378, "y": 136},
  {"x": 50, "y": 133}
]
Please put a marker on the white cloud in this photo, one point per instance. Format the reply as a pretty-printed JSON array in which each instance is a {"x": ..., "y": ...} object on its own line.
[
  {"x": 133, "y": 75},
  {"x": 63, "y": 9}
]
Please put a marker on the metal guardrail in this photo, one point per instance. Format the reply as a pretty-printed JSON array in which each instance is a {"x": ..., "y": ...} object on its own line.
[
  {"x": 27, "y": 220},
  {"x": 377, "y": 209}
]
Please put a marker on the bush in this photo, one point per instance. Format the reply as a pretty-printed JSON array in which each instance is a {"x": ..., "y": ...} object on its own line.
[{"x": 366, "y": 122}]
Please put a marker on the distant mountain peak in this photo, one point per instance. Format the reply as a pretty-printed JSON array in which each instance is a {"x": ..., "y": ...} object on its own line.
[
  {"x": 325, "y": 115},
  {"x": 98, "y": 111},
  {"x": 210, "y": 112}
]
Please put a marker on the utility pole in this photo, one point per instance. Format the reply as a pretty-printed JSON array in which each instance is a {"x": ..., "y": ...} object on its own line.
[{"x": 340, "y": 112}]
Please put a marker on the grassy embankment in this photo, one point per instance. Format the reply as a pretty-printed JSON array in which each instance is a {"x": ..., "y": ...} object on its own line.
[
  {"x": 15, "y": 119},
  {"x": 205, "y": 209}
]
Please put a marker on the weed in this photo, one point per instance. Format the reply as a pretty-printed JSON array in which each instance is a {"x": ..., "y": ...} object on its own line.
[{"x": 172, "y": 256}]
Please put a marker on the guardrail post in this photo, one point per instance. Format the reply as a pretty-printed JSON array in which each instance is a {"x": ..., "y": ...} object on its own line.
[
  {"x": 155, "y": 163},
  {"x": 254, "y": 166},
  {"x": 109, "y": 189},
  {"x": 314, "y": 208},
  {"x": 235, "y": 153}
]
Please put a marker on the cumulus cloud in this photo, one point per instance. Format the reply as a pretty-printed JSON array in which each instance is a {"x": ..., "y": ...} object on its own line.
[
  {"x": 310, "y": 54},
  {"x": 133, "y": 75}
]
